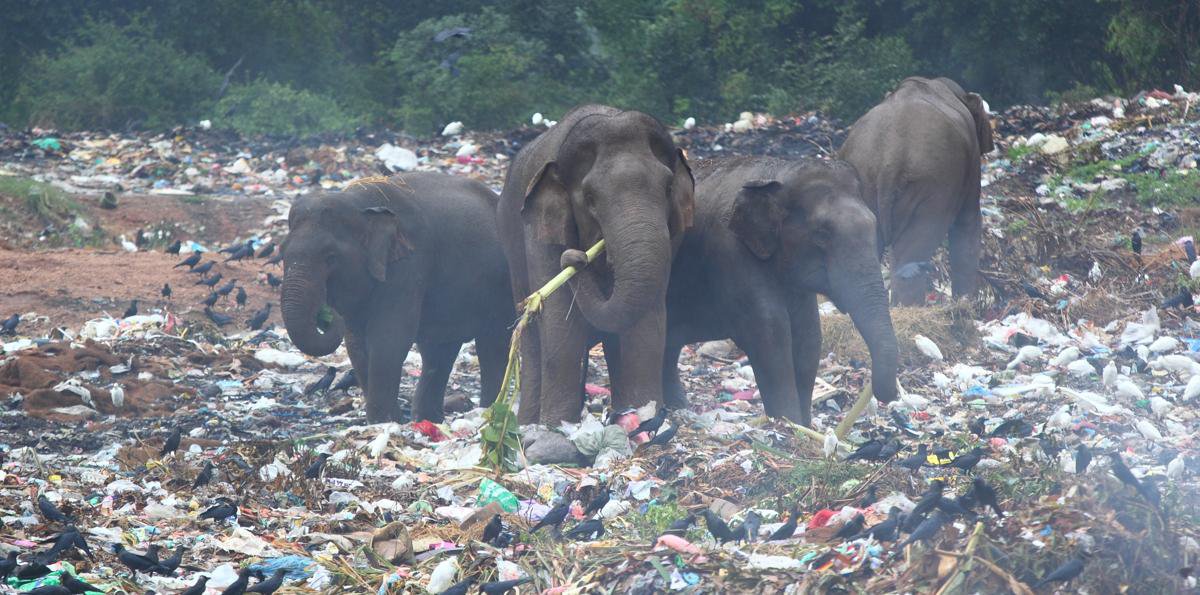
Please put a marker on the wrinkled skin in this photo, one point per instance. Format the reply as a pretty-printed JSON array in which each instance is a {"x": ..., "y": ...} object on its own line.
[
  {"x": 917, "y": 154},
  {"x": 599, "y": 173},
  {"x": 414, "y": 258},
  {"x": 769, "y": 235}
]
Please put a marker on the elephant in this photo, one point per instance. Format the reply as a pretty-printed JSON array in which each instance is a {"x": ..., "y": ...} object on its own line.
[
  {"x": 917, "y": 154},
  {"x": 409, "y": 258},
  {"x": 598, "y": 173},
  {"x": 769, "y": 235}
]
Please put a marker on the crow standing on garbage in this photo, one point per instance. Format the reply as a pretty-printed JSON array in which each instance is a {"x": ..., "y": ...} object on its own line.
[
  {"x": 241, "y": 252},
  {"x": 967, "y": 462},
  {"x": 984, "y": 495},
  {"x": 227, "y": 288},
  {"x": 652, "y": 424},
  {"x": 259, "y": 318},
  {"x": 925, "y": 530},
  {"x": 166, "y": 291},
  {"x": 276, "y": 259},
  {"x": 323, "y": 383},
  {"x": 189, "y": 262},
  {"x": 240, "y": 297},
  {"x": 867, "y": 451},
  {"x": 131, "y": 310},
  {"x": 217, "y": 318},
  {"x": 205, "y": 475},
  {"x": 172, "y": 443},
  {"x": 211, "y": 281},
  {"x": 493, "y": 529},
  {"x": 347, "y": 381},
  {"x": 204, "y": 268},
  {"x": 8, "y": 565},
  {"x": 789, "y": 528},
  {"x": 1066, "y": 572},
  {"x": 598, "y": 501},
  {"x": 885, "y": 531},
  {"x": 273, "y": 281},
  {"x": 314, "y": 470},
  {"x": 915, "y": 461},
  {"x": 1145, "y": 489},
  {"x": 134, "y": 561},
  {"x": 10, "y": 325},
  {"x": 270, "y": 585},
  {"x": 49, "y": 590},
  {"x": 211, "y": 300},
  {"x": 169, "y": 565},
  {"x": 554, "y": 517},
  {"x": 503, "y": 587},
  {"x": 750, "y": 525},
  {"x": 198, "y": 588},
  {"x": 267, "y": 251},
  {"x": 589, "y": 530},
  {"x": 31, "y": 571},
  {"x": 174, "y": 247},
  {"x": 72, "y": 538},
  {"x": 1135, "y": 242},
  {"x": 853, "y": 527},
  {"x": 719, "y": 530},
  {"x": 927, "y": 503},
  {"x": 461, "y": 587},
  {"x": 239, "y": 586},
  {"x": 233, "y": 248},
  {"x": 74, "y": 585},
  {"x": 1183, "y": 299},
  {"x": 51, "y": 512},
  {"x": 224, "y": 509},
  {"x": 680, "y": 526},
  {"x": 663, "y": 437},
  {"x": 1083, "y": 458},
  {"x": 869, "y": 497}
]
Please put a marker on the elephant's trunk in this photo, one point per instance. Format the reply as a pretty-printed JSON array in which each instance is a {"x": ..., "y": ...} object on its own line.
[
  {"x": 857, "y": 288},
  {"x": 301, "y": 301},
  {"x": 639, "y": 251}
]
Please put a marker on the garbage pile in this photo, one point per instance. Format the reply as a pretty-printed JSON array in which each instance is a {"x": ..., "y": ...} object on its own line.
[{"x": 1044, "y": 438}]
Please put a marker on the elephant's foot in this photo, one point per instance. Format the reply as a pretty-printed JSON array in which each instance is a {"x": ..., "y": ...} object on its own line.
[
  {"x": 573, "y": 258},
  {"x": 675, "y": 397}
]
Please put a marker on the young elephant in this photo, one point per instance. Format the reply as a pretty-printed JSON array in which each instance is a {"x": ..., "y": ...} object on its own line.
[
  {"x": 918, "y": 156},
  {"x": 769, "y": 235},
  {"x": 410, "y": 258},
  {"x": 599, "y": 173}
]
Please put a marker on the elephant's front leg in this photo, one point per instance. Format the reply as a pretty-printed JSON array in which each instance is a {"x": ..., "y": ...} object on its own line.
[
  {"x": 639, "y": 378},
  {"x": 388, "y": 342},
  {"x": 357, "y": 348},
  {"x": 806, "y": 350},
  {"x": 437, "y": 361},
  {"x": 766, "y": 338},
  {"x": 563, "y": 341}
]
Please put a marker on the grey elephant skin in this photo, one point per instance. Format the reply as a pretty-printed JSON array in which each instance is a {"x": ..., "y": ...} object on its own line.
[
  {"x": 917, "y": 154},
  {"x": 769, "y": 235},
  {"x": 413, "y": 258},
  {"x": 599, "y": 173}
]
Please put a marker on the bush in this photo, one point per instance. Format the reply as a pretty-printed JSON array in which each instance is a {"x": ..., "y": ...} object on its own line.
[
  {"x": 488, "y": 77},
  {"x": 264, "y": 107},
  {"x": 846, "y": 74},
  {"x": 116, "y": 77}
]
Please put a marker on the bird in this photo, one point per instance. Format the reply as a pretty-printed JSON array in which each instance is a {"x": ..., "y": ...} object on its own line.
[
  {"x": 211, "y": 300},
  {"x": 240, "y": 297},
  {"x": 166, "y": 291},
  {"x": 51, "y": 512},
  {"x": 955, "y": 507},
  {"x": 1025, "y": 354},
  {"x": 867, "y": 451},
  {"x": 663, "y": 437},
  {"x": 502, "y": 587},
  {"x": 1183, "y": 299},
  {"x": 10, "y": 325},
  {"x": 1083, "y": 458},
  {"x": 652, "y": 424},
  {"x": 493, "y": 529},
  {"x": 217, "y": 318},
  {"x": 32, "y": 571},
  {"x": 1135, "y": 242},
  {"x": 256, "y": 321},
  {"x": 172, "y": 443},
  {"x": 889, "y": 450},
  {"x": 1164, "y": 344},
  {"x": 680, "y": 526},
  {"x": 928, "y": 347},
  {"x": 314, "y": 470},
  {"x": 232, "y": 248},
  {"x": 851, "y": 528},
  {"x": 1032, "y": 291},
  {"x": 1123, "y": 473},
  {"x": 189, "y": 262},
  {"x": 750, "y": 526},
  {"x": 238, "y": 587},
  {"x": 967, "y": 462},
  {"x": 984, "y": 495},
  {"x": 925, "y": 530},
  {"x": 887, "y": 530},
  {"x": 917, "y": 460},
  {"x": 789, "y": 528},
  {"x": 1110, "y": 374},
  {"x": 928, "y": 501},
  {"x": 1189, "y": 249},
  {"x": 198, "y": 588},
  {"x": 227, "y": 288},
  {"x": 174, "y": 247},
  {"x": 554, "y": 517},
  {"x": 220, "y": 511},
  {"x": 589, "y": 530},
  {"x": 71, "y": 537},
  {"x": 205, "y": 475},
  {"x": 348, "y": 380},
  {"x": 274, "y": 281},
  {"x": 134, "y": 561},
  {"x": 211, "y": 281},
  {"x": 131, "y": 310},
  {"x": 270, "y": 585},
  {"x": 1065, "y": 572},
  {"x": 169, "y": 565},
  {"x": 49, "y": 590},
  {"x": 8, "y": 565},
  {"x": 74, "y": 585},
  {"x": 829, "y": 448},
  {"x": 241, "y": 252},
  {"x": 203, "y": 269},
  {"x": 460, "y": 588},
  {"x": 323, "y": 383},
  {"x": 598, "y": 502},
  {"x": 719, "y": 529},
  {"x": 267, "y": 251},
  {"x": 868, "y": 498},
  {"x": 276, "y": 259}
]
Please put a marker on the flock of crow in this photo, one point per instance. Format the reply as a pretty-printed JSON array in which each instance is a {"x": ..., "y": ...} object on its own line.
[{"x": 236, "y": 252}]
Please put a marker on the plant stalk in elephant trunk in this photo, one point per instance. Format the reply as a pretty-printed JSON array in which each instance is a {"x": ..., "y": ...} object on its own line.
[{"x": 501, "y": 442}]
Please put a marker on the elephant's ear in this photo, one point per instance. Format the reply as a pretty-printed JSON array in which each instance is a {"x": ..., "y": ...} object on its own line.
[
  {"x": 547, "y": 208},
  {"x": 385, "y": 241},
  {"x": 757, "y": 217},
  {"x": 683, "y": 195},
  {"x": 983, "y": 124}
]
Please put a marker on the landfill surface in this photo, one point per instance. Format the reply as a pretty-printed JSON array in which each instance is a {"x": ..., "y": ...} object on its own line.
[{"x": 1080, "y": 350}]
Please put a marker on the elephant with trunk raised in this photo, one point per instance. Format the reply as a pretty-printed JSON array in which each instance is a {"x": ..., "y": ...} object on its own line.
[
  {"x": 413, "y": 258},
  {"x": 918, "y": 156},
  {"x": 770, "y": 234},
  {"x": 599, "y": 173}
]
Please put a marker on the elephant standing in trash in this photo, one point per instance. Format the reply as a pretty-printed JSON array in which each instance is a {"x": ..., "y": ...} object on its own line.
[
  {"x": 599, "y": 173},
  {"x": 917, "y": 154},
  {"x": 769, "y": 235},
  {"x": 413, "y": 258}
]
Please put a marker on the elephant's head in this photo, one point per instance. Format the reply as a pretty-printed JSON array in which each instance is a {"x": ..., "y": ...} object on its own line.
[
  {"x": 809, "y": 219},
  {"x": 618, "y": 177},
  {"x": 338, "y": 248}
]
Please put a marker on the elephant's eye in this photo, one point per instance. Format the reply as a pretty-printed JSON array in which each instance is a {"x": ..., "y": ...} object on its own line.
[
  {"x": 331, "y": 259},
  {"x": 820, "y": 236}
]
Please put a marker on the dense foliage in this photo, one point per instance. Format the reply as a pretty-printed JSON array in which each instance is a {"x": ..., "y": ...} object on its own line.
[{"x": 336, "y": 64}]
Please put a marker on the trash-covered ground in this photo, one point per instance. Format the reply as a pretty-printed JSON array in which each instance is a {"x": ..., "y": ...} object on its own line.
[{"x": 1081, "y": 361}]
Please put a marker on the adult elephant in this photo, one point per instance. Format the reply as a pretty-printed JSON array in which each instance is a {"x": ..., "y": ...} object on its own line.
[
  {"x": 770, "y": 235},
  {"x": 411, "y": 258},
  {"x": 917, "y": 154},
  {"x": 599, "y": 173}
]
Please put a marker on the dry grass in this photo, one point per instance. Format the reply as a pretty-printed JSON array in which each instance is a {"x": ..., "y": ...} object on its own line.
[{"x": 951, "y": 326}]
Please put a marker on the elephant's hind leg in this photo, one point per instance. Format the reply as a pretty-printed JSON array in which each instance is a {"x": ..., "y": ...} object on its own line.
[
  {"x": 437, "y": 360},
  {"x": 965, "y": 248},
  {"x": 492, "y": 349}
]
